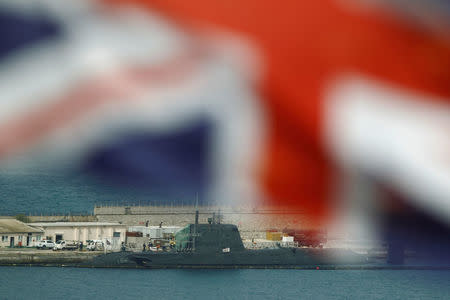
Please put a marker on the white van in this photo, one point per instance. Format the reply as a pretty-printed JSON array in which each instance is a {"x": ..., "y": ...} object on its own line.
[
  {"x": 95, "y": 245},
  {"x": 45, "y": 244}
]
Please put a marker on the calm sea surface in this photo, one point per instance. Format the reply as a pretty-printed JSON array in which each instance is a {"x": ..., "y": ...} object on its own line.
[
  {"x": 47, "y": 193},
  {"x": 73, "y": 283}
]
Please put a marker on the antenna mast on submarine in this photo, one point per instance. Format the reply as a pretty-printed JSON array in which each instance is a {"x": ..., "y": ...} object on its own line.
[{"x": 195, "y": 225}]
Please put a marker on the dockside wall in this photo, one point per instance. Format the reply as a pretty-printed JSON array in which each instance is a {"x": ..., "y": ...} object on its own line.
[
  {"x": 251, "y": 222},
  {"x": 44, "y": 257}
]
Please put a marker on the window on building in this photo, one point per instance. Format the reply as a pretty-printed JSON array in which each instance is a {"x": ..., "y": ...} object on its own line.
[
  {"x": 116, "y": 234},
  {"x": 20, "y": 238},
  {"x": 4, "y": 238},
  {"x": 38, "y": 238}
]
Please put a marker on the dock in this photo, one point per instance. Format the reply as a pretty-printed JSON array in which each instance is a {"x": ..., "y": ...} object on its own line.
[{"x": 25, "y": 256}]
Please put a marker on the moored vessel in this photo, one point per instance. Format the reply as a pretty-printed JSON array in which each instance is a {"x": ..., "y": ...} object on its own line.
[{"x": 216, "y": 245}]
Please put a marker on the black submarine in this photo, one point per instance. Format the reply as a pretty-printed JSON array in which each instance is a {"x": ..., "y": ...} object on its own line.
[{"x": 216, "y": 245}]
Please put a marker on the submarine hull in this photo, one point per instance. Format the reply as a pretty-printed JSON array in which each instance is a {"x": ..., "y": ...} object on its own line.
[
  {"x": 220, "y": 246},
  {"x": 270, "y": 258}
]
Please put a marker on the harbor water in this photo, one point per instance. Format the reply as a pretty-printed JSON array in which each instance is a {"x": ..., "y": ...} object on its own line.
[{"x": 78, "y": 283}]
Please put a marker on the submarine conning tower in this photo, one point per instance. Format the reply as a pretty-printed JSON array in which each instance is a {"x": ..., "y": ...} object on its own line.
[{"x": 212, "y": 237}]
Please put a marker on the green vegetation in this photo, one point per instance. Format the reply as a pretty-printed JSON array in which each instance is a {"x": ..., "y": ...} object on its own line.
[{"x": 22, "y": 218}]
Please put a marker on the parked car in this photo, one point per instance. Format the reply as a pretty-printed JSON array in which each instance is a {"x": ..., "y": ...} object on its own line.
[
  {"x": 66, "y": 245},
  {"x": 45, "y": 244},
  {"x": 95, "y": 245}
]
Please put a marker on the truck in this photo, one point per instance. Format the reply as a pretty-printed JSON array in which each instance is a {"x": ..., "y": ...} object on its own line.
[{"x": 66, "y": 245}]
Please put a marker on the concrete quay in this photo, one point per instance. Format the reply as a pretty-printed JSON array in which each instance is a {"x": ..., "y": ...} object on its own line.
[{"x": 27, "y": 256}]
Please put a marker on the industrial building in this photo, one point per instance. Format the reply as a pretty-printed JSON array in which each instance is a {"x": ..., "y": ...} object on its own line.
[
  {"x": 18, "y": 234},
  {"x": 156, "y": 232},
  {"x": 82, "y": 231}
]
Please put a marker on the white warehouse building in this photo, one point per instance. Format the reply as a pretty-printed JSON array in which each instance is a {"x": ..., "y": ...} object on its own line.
[
  {"x": 18, "y": 234},
  {"x": 82, "y": 231}
]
